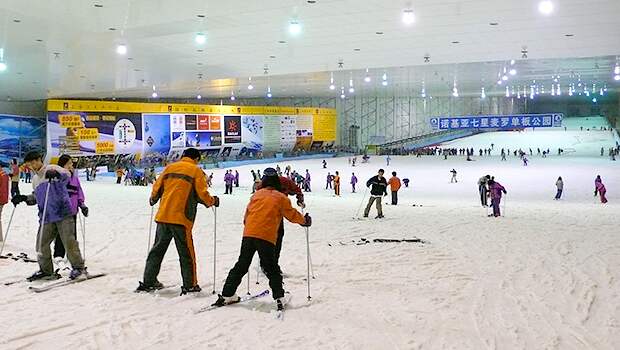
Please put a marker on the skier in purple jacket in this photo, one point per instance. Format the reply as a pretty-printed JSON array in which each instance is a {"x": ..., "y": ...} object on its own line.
[
  {"x": 307, "y": 182},
  {"x": 496, "y": 190},
  {"x": 353, "y": 181},
  {"x": 52, "y": 198},
  {"x": 229, "y": 178},
  {"x": 76, "y": 200}
]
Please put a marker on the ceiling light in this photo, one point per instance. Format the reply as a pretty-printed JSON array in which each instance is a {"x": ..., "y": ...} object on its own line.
[
  {"x": 455, "y": 91},
  {"x": 558, "y": 90},
  {"x": 351, "y": 90},
  {"x": 483, "y": 94},
  {"x": 332, "y": 87},
  {"x": 617, "y": 77},
  {"x": 121, "y": 49},
  {"x": 232, "y": 95},
  {"x": 269, "y": 92},
  {"x": 154, "y": 94},
  {"x": 200, "y": 38},
  {"x": 423, "y": 94},
  {"x": 507, "y": 92},
  {"x": 545, "y": 7},
  {"x": 331, "y": 82},
  {"x": 408, "y": 17},
  {"x": 594, "y": 100},
  {"x": 504, "y": 77},
  {"x": 499, "y": 82},
  {"x": 617, "y": 69},
  {"x": 3, "y": 66},
  {"x": 367, "y": 78},
  {"x": 342, "y": 95},
  {"x": 512, "y": 62},
  {"x": 513, "y": 71},
  {"x": 250, "y": 86},
  {"x": 294, "y": 28}
]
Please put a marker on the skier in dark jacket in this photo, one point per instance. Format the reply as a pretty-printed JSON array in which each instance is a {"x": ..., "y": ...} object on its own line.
[{"x": 378, "y": 189}]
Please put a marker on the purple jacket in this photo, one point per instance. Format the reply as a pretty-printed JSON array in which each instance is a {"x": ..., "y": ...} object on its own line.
[
  {"x": 76, "y": 195},
  {"x": 353, "y": 180},
  {"x": 308, "y": 177},
  {"x": 237, "y": 176},
  {"x": 496, "y": 190},
  {"x": 600, "y": 187},
  {"x": 229, "y": 178},
  {"x": 58, "y": 202}
]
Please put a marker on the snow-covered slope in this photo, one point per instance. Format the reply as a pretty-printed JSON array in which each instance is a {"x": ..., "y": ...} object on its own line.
[{"x": 545, "y": 276}]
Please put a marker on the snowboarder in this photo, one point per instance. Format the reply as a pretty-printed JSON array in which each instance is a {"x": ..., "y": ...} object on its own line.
[
  {"x": 453, "y": 179},
  {"x": 264, "y": 214},
  {"x": 4, "y": 194},
  {"x": 483, "y": 190},
  {"x": 496, "y": 190},
  {"x": 394, "y": 183},
  {"x": 599, "y": 189},
  {"x": 181, "y": 186},
  {"x": 289, "y": 188},
  {"x": 329, "y": 180},
  {"x": 560, "y": 185},
  {"x": 76, "y": 200},
  {"x": 353, "y": 181},
  {"x": 378, "y": 189},
  {"x": 337, "y": 184},
  {"x": 51, "y": 196},
  {"x": 14, "y": 178},
  {"x": 236, "y": 178}
]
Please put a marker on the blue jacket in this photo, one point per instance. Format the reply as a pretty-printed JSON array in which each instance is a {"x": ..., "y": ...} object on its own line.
[{"x": 58, "y": 203}]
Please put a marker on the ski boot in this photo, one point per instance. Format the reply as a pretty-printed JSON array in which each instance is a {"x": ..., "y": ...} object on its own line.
[
  {"x": 40, "y": 275},
  {"x": 379, "y": 217},
  {"x": 223, "y": 301},
  {"x": 194, "y": 289},
  {"x": 149, "y": 288},
  {"x": 78, "y": 273}
]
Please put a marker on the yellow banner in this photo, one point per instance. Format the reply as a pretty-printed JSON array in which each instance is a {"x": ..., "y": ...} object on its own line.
[
  {"x": 176, "y": 108},
  {"x": 70, "y": 120},
  {"x": 88, "y": 134},
  {"x": 324, "y": 127},
  {"x": 104, "y": 147}
]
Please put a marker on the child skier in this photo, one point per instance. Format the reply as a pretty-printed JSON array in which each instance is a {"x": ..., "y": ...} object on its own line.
[
  {"x": 353, "y": 181},
  {"x": 394, "y": 183},
  {"x": 560, "y": 185},
  {"x": 599, "y": 189},
  {"x": 263, "y": 215},
  {"x": 51, "y": 196},
  {"x": 337, "y": 184},
  {"x": 496, "y": 190},
  {"x": 181, "y": 186},
  {"x": 453, "y": 179},
  {"x": 378, "y": 189}
]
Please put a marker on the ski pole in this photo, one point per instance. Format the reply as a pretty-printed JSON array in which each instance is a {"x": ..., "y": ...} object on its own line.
[
  {"x": 8, "y": 227},
  {"x": 257, "y": 272},
  {"x": 248, "y": 274},
  {"x": 214, "y": 246},
  {"x": 47, "y": 192},
  {"x": 357, "y": 213},
  {"x": 308, "y": 260},
  {"x": 505, "y": 200},
  {"x": 148, "y": 248},
  {"x": 83, "y": 222}
]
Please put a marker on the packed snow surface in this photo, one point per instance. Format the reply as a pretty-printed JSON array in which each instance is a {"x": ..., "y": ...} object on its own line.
[{"x": 544, "y": 276}]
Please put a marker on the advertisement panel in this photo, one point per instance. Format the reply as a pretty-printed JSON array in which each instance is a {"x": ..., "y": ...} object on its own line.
[
  {"x": 288, "y": 132},
  {"x": 252, "y": 132},
  {"x": 203, "y": 139},
  {"x": 232, "y": 129},
  {"x": 304, "y": 133},
  {"x": 156, "y": 131},
  {"x": 19, "y": 135},
  {"x": 324, "y": 127}
]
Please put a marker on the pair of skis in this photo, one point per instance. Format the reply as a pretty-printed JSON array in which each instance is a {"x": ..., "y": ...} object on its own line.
[
  {"x": 278, "y": 314},
  {"x": 55, "y": 284}
]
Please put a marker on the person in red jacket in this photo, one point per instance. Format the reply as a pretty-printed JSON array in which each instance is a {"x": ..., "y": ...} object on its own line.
[
  {"x": 263, "y": 216},
  {"x": 394, "y": 183},
  {"x": 289, "y": 188},
  {"x": 4, "y": 195}
]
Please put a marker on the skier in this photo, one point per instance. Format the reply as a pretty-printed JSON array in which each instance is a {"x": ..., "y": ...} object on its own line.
[
  {"x": 324, "y": 164},
  {"x": 210, "y": 180},
  {"x": 254, "y": 177},
  {"x": 353, "y": 181},
  {"x": 289, "y": 188},
  {"x": 229, "y": 178},
  {"x": 51, "y": 196},
  {"x": 560, "y": 185},
  {"x": 329, "y": 180},
  {"x": 76, "y": 200},
  {"x": 265, "y": 212},
  {"x": 377, "y": 191},
  {"x": 599, "y": 189},
  {"x": 453, "y": 179},
  {"x": 236, "y": 178},
  {"x": 307, "y": 182},
  {"x": 353, "y": 161},
  {"x": 496, "y": 189},
  {"x": 278, "y": 170},
  {"x": 406, "y": 182},
  {"x": 4, "y": 194},
  {"x": 394, "y": 183},
  {"x": 27, "y": 175},
  {"x": 14, "y": 178},
  {"x": 503, "y": 155},
  {"x": 337, "y": 184},
  {"x": 181, "y": 186},
  {"x": 483, "y": 190},
  {"x": 119, "y": 175},
  {"x": 525, "y": 160},
  {"x": 387, "y": 160}
]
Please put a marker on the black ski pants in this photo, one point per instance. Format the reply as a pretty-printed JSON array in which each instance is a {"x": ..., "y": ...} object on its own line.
[
  {"x": 483, "y": 195},
  {"x": 266, "y": 253},
  {"x": 394, "y": 197}
]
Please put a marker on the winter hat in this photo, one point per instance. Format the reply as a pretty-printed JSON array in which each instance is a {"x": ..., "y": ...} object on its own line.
[
  {"x": 191, "y": 153},
  {"x": 271, "y": 179},
  {"x": 63, "y": 160}
]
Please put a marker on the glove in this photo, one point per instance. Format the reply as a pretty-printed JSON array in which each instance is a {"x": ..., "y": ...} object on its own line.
[
  {"x": 301, "y": 204},
  {"x": 84, "y": 210},
  {"x": 307, "y": 221},
  {"x": 216, "y": 201},
  {"x": 152, "y": 201},
  {"x": 52, "y": 174},
  {"x": 505, "y": 192},
  {"x": 18, "y": 199}
]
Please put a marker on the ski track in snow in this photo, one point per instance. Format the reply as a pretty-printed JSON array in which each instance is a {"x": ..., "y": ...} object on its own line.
[{"x": 545, "y": 276}]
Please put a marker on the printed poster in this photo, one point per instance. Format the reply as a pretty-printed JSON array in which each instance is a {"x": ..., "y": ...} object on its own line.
[
  {"x": 232, "y": 129},
  {"x": 252, "y": 132}
]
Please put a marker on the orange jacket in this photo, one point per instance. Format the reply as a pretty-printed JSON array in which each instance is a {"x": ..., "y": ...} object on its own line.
[
  {"x": 119, "y": 172},
  {"x": 337, "y": 180},
  {"x": 394, "y": 183},
  {"x": 264, "y": 214},
  {"x": 181, "y": 186}
]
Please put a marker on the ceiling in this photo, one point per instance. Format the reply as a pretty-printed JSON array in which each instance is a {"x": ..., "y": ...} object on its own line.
[{"x": 65, "y": 48}]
